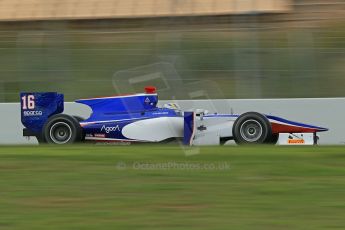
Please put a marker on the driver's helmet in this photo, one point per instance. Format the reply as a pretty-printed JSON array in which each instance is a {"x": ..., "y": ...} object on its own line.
[{"x": 173, "y": 106}]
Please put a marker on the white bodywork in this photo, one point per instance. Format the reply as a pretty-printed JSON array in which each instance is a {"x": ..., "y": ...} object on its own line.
[
  {"x": 163, "y": 128},
  {"x": 296, "y": 139},
  {"x": 208, "y": 130},
  {"x": 155, "y": 129}
]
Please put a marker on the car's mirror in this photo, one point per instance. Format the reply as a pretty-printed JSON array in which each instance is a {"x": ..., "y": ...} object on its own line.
[{"x": 200, "y": 113}]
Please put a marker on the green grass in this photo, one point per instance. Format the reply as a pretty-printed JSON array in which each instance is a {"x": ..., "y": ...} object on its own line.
[{"x": 107, "y": 187}]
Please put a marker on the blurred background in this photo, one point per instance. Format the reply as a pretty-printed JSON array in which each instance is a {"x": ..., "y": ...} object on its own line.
[{"x": 230, "y": 48}]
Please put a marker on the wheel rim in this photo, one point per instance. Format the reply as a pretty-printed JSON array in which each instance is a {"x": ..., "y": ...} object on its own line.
[
  {"x": 251, "y": 130},
  {"x": 60, "y": 133}
]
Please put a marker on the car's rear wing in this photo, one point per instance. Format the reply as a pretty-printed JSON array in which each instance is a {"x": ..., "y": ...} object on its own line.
[{"x": 36, "y": 108}]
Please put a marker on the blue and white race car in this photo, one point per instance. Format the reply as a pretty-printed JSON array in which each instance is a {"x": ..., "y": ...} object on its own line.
[{"x": 137, "y": 119}]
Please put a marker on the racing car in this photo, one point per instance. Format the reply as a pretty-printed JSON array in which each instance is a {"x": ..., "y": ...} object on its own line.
[{"x": 136, "y": 118}]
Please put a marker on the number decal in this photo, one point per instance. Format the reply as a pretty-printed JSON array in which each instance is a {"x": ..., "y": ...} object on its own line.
[
  {"x": 24, "y": 102},
  {"x": 31, "y": 102},
  {"x": 28, "y": 102}
]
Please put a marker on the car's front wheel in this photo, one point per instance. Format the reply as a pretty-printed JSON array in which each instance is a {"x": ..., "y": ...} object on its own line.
[
  {"x": 273, "y": 139},
  {"x": 251, "y": 128},
  {"x": 40, "y": 139},
  {"x": 62, "y": 129}
]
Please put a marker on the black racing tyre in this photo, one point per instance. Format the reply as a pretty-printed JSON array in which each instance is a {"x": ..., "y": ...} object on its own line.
[
  {"x": 80, "y": 119},
  {"x": 62, "y": 129},
  {"x": 273, "y": 139},
  {"x": 251, "y": 128}
]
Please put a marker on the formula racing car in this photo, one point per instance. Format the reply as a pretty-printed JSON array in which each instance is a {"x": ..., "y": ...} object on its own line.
[{"x": 137, "y": 119}]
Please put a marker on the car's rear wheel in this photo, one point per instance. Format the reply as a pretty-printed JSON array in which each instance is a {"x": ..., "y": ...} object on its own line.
[
  {"x": 80, "y": 119},
  {"x": 62, "y": 129},
  {"x": 251, "y": 128}
]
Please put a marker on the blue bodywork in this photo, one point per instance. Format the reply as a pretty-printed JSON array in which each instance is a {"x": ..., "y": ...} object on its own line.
[
  {"x": 107, "y": 106},
  {"x": 111, "y": 114},
  {"x": 188, "y": 127}
]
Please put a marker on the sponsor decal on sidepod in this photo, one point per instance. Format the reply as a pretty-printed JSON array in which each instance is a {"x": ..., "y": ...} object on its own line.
[
  {"x": 32, "y": 113},
  {"x": 109, "y": 129},
  {"x": 296, "y": 141}
]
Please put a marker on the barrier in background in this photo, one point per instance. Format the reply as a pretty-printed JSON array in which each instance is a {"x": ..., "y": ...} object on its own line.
[
  {"x": 11, "y": 10},
  {"x": 326, "y": 112}
]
